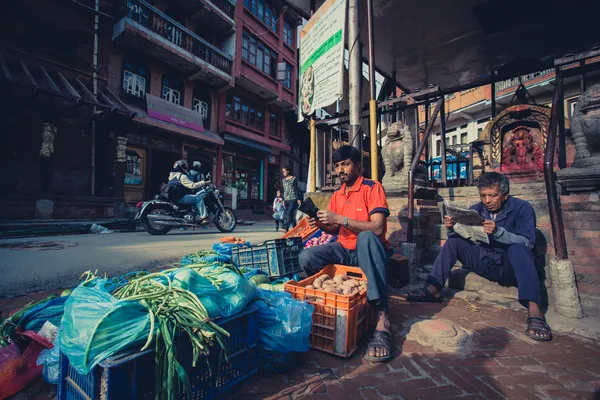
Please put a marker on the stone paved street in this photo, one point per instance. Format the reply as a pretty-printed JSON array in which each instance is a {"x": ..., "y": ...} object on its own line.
[{"x": 497, "y": 362}]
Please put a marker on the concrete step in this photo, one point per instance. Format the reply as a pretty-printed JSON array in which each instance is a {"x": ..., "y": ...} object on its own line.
[
  {"x": 523, "y": 190},
  {"x": 465, "y": 279}
]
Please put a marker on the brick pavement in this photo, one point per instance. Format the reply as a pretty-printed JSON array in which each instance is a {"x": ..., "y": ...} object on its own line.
[{"x": 501, "y": 363}]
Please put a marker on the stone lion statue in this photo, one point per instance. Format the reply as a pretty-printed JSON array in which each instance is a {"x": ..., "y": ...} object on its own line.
[
  {"x": 397, "y": 155},
  {"x": 585, "y": 127}
]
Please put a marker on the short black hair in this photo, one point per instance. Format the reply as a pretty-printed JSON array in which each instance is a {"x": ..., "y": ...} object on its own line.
[
  {"x": 346, "y": 152},
  {"x": 491, "y": 179}
]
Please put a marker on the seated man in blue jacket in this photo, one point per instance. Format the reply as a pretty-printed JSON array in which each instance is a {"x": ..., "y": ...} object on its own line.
[{"x": 509, "y": 258}]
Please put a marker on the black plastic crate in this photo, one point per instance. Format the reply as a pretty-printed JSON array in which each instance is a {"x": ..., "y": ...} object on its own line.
[
  {"x": 131, "y": 375},
  {"x": 276, "y": 257}
]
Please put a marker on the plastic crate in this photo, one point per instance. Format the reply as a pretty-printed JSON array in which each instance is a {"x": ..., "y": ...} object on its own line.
[
  {"x": 295, "y": 232},
  {"x": 339, "y": 321},
  {"x": 317, "y": 234},
  {"x": 276, "y": 257},
  {"x": 131, "y": 376}
]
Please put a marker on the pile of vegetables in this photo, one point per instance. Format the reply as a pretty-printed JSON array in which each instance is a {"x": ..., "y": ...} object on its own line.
[
  {"x": 232, "y": 240},
  {"x": 173, "y": 311},
  {"x": 317, "y": 241},
  {"x": 304, "y": 231},
  {"x": 340, "y": 284}
]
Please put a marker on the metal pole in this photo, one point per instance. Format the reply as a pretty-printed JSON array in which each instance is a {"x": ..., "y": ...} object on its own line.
[
  {"x": 558, "y": 229},
  {"x": 95, "y": 92},
  {"x": 562, "y": 134},
  {"x": 374, "y": 150},
  {"x": 582, "y": 78},
  {"x": 427, "y": 142},
  {"x": 493, "y": 85},
  {"x": 313, "y": 157},
  {"x": 443, "y": 138},
  {"x": 354, "y": 73},
  {"x": 411, "y": 172},
  {"x": 312, "y": 164}
]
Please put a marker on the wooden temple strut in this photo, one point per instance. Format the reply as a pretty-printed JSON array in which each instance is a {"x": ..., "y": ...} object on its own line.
[
  {"x": 558, "y": 229},
  {"x": 413, "y": 167}
]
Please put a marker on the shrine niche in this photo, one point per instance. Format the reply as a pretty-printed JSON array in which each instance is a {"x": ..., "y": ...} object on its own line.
[{"x": 517, "y": 140}]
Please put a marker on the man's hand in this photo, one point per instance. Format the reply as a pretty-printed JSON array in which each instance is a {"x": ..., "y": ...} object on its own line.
[
  {"x": 202, "y": 183},
  {"x": 448, "y": 222},
  {"x": 312, "y": 222},
  {"x": 299, "y": 203},
  {"x": 329, "y": 217},
  {"x": 489, "y": 226}
]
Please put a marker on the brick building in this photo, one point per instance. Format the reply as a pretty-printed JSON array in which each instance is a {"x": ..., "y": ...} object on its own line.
[{"x": 178, "y": 79}]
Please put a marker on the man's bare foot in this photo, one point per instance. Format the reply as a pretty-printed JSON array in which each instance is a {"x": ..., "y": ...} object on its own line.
[{"x": 427, "y": 294}]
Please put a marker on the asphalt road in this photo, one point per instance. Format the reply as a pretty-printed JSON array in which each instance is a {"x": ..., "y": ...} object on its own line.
[{"x": 25, "y": 270}]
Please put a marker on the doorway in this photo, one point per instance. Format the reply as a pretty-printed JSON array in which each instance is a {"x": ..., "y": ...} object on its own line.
[
  {"x": 161, "y": 162},
  {"x": 273, "y": 181}
]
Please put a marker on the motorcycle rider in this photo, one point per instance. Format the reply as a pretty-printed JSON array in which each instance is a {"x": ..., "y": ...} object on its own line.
[
  {"x": 195, "y": 174},
  {"x": 183, "y": 187}
]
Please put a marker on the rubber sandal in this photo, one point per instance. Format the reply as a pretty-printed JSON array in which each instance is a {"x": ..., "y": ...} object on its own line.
[
  {"x": 538, "y": 325},
  {"x": 423, "y": 296},
  {"x": 381, "y": 339}
]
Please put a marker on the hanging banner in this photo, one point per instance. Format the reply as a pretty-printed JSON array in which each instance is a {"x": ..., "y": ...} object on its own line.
[{"x": 322, "y": 58}]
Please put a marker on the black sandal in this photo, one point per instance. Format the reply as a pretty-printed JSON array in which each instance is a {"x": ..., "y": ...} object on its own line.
[
  {"x": 423, "y": 296},
  {"x": 538, "y": 325},
  {"x": 381, "y": 340}
]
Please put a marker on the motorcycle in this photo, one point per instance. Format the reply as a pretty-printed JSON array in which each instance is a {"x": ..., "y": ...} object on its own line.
[{"x": 160, "y": 215}]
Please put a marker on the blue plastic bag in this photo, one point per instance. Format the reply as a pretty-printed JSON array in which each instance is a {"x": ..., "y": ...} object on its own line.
[
  {"x": 284, "y": 323},
  {"x": 36, "y": 317},
  {"x": 50, "y": 359},
  {"x": 231, "y": 296},
  {"x": 96, "y": 325},
  {"x": 226, "y": 248},
  {"x": 252, "y": 272}
]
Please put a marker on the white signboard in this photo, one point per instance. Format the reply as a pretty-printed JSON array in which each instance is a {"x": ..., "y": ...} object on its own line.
[{"x": 322, "y": 58}]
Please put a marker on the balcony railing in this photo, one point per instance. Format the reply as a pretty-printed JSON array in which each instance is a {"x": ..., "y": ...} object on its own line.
[
  {"x": 161, "y": 24},
  {"x": 525, "y": 78},
  {"x": 225, "y": 6}
]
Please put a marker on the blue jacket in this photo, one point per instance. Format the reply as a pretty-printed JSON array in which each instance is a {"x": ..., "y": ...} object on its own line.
[{"x": 515, "y": 224}]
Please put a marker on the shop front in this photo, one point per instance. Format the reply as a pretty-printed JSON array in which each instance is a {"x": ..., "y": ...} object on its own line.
[{"x": 244, "y": 169}]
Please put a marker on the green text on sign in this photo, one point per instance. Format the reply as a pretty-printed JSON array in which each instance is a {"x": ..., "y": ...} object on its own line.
[{"x": 324, "y": 48}]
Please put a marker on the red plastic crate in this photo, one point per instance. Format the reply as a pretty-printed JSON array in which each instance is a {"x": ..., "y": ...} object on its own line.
[
  {"x": 339, "y": 321},
  {"x": 299, "y": 228}
]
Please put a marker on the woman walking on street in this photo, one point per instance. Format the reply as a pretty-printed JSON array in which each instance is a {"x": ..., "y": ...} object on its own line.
[
  {"x": 291, "y": 197},
  {"x": 278, "y": 210}
]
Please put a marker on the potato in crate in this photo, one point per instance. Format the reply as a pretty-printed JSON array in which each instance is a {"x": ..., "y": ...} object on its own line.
[
  {"x": 276, "y": 258},
  {"x": 342, "y": 315}
]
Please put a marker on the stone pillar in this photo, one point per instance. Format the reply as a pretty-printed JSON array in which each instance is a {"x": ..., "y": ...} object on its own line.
[
  {"x": 218, "y": 178},
  {"x": 120, "y": 165},
  {"x": 46, "y": 152}
]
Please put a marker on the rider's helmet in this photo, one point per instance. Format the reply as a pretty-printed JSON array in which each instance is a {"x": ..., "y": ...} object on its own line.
[
  {"x": 196, "y": 165},
  {"x": 181, "y": 165}
]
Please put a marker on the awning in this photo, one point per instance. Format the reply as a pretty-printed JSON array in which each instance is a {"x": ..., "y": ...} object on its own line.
[
  {"x": 248, "y": 142},
  {"x": 64, "y": 87},
  {"x": 457, "y": 44},
  {"x": 208, "y": 136}
]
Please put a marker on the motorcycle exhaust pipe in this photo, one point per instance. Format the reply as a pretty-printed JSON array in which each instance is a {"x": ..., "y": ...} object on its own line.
[
  {"x": 173, "y": 223},
  {"x": 164, "y": 218}
]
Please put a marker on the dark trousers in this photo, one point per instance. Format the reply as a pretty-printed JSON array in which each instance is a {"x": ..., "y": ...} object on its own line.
[
  {"x": 290, "y": 214},
  {"x": 517, "y": 267},
  {"x": 370, "y": 255}
]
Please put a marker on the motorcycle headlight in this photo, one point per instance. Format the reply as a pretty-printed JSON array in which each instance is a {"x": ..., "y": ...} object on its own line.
[{"x": 216, "y": 192}]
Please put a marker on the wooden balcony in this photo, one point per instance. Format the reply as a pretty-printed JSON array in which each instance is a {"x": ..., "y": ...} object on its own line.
[{"x": 149, "y": 30}]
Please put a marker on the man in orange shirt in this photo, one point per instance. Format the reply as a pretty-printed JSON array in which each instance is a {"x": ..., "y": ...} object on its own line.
[{"x": 357, "y": 214}]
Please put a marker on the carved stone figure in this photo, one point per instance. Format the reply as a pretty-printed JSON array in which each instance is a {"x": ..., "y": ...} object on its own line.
[
  {"x": 48, "y": 134},
  {"x": 585, "y": 127},
  {"x": 397, "y": 155},
  {"x": 521, "y": 151},
  {"x": 584, "y": 174}
]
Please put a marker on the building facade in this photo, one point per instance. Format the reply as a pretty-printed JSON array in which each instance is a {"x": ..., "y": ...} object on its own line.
[{"x": 99, "y": 105}]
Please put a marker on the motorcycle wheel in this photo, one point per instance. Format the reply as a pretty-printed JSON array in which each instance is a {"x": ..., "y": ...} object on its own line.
[
  {"x": 225, "y": 220},
  {"x": 151, "y": 227}
]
